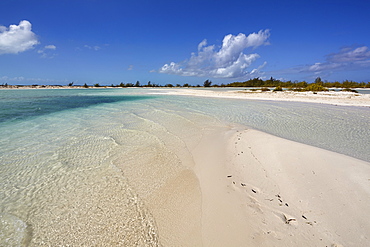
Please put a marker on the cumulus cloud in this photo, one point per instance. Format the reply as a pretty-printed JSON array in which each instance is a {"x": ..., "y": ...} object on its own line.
[
  {"x": 17, "y": 38},
  {"x": 229, "y": 61}
]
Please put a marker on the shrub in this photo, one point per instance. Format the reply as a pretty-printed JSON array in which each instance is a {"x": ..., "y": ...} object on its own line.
[
  {"x": 349, "y": 90},
  {"x": 207, "y": 83},
  {"x": 315, "y": 88},
  {"x": 278, "y": 89}
]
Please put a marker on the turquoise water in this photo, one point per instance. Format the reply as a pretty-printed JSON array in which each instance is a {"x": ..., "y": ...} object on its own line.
[
  {"x": 59, "y": 183},
  {"x": 22, "y": 104},
  {"x": 73, "y": 162}
]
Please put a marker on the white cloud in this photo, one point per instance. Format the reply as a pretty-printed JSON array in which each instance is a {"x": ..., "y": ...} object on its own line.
[
  {"x": 95, "y": 48},
  {"x": 229, "y": 61},
  {"x": 17, "y": 38},
  {"x": 50, "y": 47},
  {"x": 348, "y": 58},
  {"x": 21, "y": 79},
  {"x": 323, "y": 66},
  {"x": 131, "y": 67},
  {"x": 350, "y": 55},
  {"x": 45, "y": 53}
]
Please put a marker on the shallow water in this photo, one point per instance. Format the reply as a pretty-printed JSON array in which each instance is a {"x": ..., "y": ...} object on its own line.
[
  {"x": 342, "y": 129},
  {"x": 75, "y": 164}
]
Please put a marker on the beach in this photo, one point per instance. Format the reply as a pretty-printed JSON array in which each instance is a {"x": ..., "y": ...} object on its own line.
[
  {"x": 329, "y": 97},
  {"x": 261, "y": 190},
  {"x": 266, "y": 191},
  {"x": 163, "y": 171}
]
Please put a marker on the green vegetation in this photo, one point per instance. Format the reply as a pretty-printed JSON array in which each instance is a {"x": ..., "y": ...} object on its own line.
[
  {"x": 349, "y": 90},
  {"x": 277, "y": 89},
  {"x": 315, "y": 87},
  {"x": 207, "y": 83},
  {"x": 255, "y": 83}
]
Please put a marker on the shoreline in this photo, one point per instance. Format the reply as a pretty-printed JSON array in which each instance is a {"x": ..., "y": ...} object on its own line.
[
  {"x": 332, "y": 98},
  {"x": 261, "y": 190},
  {"x": 328, "y": 97},
  {"x": 194, "y": 180}
]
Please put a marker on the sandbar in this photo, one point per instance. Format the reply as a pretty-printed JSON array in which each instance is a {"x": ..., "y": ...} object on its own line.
[
  {"x": 330, "y": 97},
  {"x": 257, "y": 189}
]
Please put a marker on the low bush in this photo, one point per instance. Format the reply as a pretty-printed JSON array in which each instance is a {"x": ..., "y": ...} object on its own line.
[
  {"x": 278, "y": 89},
  {"x": 349, "y": 90},
  {"x": 315, "y": 88}
]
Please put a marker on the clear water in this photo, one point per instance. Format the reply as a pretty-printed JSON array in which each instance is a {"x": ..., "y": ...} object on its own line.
[
  {"x": 342, "y": 129},
  {"x": 75, "y": 165}
]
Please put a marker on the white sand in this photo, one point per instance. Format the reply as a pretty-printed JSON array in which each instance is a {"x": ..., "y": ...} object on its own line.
[
  {"x": 334, "y": 98},
  {"x": 260, "y": 190}
]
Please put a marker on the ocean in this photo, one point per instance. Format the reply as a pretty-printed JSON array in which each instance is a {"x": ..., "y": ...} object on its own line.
[{"x": 73, "y": 161}]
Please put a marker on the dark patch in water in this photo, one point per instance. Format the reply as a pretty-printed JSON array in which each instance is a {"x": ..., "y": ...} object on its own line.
[{"x": 20, "y": 108}]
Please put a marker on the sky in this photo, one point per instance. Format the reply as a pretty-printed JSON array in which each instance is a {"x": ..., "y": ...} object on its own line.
[{"x": 177, "y": 42}]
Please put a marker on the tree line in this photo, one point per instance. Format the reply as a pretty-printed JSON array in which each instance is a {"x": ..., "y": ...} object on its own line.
[
  {"x": 318, "y": 84},
  {"x": 257, "y": 82},
  {"x": 260, "y": 83}
]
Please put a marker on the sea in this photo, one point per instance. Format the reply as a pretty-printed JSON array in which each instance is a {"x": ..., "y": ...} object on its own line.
[{"x": 69, "y": 157}]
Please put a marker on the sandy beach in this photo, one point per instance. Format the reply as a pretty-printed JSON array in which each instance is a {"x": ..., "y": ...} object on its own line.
[
  {"x": 162, "y": 172},
  {"x": 331, "y": 97},
  {"x": 260, "y": 190}
]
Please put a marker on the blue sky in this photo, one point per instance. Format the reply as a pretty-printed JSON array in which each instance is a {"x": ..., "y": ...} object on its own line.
[{"x": 108, "y": 42}]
